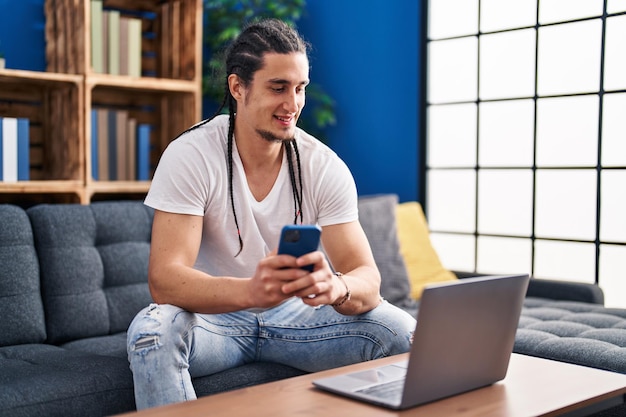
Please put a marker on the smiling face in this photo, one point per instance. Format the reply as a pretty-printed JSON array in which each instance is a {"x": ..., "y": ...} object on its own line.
[{"x": 269, "y": 106}]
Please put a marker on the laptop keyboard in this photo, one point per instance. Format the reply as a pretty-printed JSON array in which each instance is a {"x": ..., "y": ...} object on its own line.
[{"x": 391, "y": 391}]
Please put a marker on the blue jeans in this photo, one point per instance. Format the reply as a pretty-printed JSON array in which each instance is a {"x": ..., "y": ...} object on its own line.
[{"x": 168, "y": 346}]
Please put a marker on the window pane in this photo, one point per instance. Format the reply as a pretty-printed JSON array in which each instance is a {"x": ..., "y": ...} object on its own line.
[
  {"x": 498, "y": 255},
  {"x": 563, "y": 48},
  {"x": 456, "y": 252},
  {"x": 613, "y": 206},
  {"x": 452, "y": 200},
  {"x": 452, "y": 70},
  {"x": 569, "y": 261},
  {"x": 614, "y": 6},
  {"x": 561, "y": 10},
  {"x": 450, "y": 18},
  {"x": 506, "y": 131},
  {"x": 567, "y": 131},
  {"x": 507, "y": 64},
  {"x": 505, "y": 202},
  {"x": 566, "y": 204},
  {"x": 614, "y": 130},
  {"x": 507, "y": 14},
  {"x": 612, "y": 282},
  {"x": 615, "y": 54},
  {"x": 452, "y": 144}
]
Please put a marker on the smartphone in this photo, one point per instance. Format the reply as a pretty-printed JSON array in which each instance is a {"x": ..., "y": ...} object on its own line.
[{"x": 299, "y": 239}]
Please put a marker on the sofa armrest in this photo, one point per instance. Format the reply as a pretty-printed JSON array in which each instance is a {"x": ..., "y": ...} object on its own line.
[
  {"x": 555, "y": 289},
  {"x": 565, "y": 290}
]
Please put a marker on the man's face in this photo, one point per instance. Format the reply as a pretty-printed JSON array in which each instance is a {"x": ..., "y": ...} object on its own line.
[{"x": 271, "y": 104}]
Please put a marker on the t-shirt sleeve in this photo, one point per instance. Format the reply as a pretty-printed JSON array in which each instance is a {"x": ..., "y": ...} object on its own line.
[
  {"x": 180, "y": 180},
  {"x": 337, "y": 195}
]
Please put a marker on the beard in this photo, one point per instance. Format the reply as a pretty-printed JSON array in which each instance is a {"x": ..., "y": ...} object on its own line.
[{"x": 270, "y": 137}]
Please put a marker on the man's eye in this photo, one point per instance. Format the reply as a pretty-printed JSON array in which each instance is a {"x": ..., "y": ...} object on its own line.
[{"x": 278, "y": 90}]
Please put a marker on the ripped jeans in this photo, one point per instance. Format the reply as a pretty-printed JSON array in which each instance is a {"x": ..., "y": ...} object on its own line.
[{"x": 168, "y": 346}]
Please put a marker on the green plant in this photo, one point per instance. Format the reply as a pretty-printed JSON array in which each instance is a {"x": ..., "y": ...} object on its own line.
[{"x": 224, "y": 20}]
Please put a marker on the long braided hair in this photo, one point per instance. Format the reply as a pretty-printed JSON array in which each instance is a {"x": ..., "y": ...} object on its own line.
[{"x": 244, "y": 57}]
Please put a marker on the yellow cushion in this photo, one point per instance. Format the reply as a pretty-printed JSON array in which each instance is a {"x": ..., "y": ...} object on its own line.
[{"x": 422, "y": 262}]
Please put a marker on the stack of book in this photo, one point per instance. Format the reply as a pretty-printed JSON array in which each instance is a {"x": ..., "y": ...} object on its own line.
[
  {"x": 120, "y": 147},
  {"x": 115, "y": 41},
  {"x": 14, "y": 149}
]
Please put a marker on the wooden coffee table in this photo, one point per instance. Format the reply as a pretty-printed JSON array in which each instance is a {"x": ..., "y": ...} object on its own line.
[{"x": 532, "y": 387}]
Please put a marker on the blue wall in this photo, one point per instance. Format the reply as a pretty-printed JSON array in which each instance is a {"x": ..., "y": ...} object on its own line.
[
  {"x": 365, "y": 55},
  {"x": 22, "y": 34}
]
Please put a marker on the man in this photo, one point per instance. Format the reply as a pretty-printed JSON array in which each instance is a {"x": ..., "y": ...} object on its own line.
[{"x": 221, "y": 193}]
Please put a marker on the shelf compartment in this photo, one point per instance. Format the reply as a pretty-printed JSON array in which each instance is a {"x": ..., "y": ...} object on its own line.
[
  {"x": 168, "y": 113},
  {"x": 50, "y": 102},
  {"x": 170, "y": 46}
]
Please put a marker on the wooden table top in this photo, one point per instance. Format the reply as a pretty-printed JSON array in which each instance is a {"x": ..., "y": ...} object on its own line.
[{"x": 532, "y": 387}]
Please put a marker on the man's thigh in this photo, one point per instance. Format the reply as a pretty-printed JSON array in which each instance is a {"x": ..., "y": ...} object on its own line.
[
  {"x": 315, "y": 339},
  {"x": 222, "y": 341}
]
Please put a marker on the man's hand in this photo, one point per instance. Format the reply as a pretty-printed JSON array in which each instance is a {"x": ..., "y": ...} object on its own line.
[{"x": 279, "y": 277}]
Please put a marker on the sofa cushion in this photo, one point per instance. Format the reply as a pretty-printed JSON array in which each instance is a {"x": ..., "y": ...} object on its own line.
[
  {"x": 46, "y": 380},
  {"x": 243, "y": 376},
  {"x": 421, "y": 259},
  {"x": 94, "y": 265},
  {"x": 571, "y": 331},
  {"x": 21, "y": 307},
  {"x": 377, "y": 215}
]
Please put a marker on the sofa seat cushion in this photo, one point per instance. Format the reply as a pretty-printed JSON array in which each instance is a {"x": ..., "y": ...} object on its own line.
[
  {"x": 38, "y": 379},
  {"x": 110, "y": 345},
  {"x": 576, "y": 332},
  {"x": 243, "y": 376}
]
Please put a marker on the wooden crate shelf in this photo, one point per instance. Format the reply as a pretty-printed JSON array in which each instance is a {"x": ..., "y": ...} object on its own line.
[{"x": 58, "y": 102}]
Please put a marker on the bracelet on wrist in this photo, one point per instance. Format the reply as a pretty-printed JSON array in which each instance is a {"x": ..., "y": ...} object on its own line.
[{"x": 346, "y": 297}]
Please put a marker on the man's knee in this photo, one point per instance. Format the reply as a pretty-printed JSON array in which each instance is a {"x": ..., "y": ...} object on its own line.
[
  {"x": 400, "y": 327},
  {"x": 149, "y": 328}
]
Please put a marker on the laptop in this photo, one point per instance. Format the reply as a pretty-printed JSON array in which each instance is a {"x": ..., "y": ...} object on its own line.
[{"x": 463, "y": 340}]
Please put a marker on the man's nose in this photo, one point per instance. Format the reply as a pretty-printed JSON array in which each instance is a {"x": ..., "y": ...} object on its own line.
[{"x": 292, "y": 102}]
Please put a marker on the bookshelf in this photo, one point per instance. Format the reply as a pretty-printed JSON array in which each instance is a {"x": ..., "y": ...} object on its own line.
[{"x": 59, "y": 102}]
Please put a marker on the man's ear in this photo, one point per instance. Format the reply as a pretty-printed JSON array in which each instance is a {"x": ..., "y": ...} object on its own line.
[{"x": 235, "y": 86}]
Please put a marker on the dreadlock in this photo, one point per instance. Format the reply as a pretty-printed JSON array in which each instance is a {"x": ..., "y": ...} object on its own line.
[{"x": 244, "y": 57}]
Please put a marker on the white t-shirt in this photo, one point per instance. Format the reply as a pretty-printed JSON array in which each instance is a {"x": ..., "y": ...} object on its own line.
[{"x": 192, "y": 178}]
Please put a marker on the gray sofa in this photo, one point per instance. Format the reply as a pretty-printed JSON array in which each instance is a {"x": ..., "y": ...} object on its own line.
[{"x": 72, "y": 277}]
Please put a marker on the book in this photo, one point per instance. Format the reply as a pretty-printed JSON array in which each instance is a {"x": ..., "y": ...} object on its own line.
[
  {"x": 134, "y": 47},
  {"x": 15, "y": 149},
  {"x": 94, "y": 144},
  {"x": 123, "y": 58},
  {"x": 97, "y": 46},
  {"x": 105, "y": 42},
  {"x": 114, "y": 41},
  {"x": 23, "y": 149},
  {"x": 121, "y": 156},
  {"x": 103, "y": 144},
  {"x": 112, "y": 144},
  {"x": 143, "y": 152},
  {"x": 131, "y": 149},
  {"x": 9, "y": 149}
]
